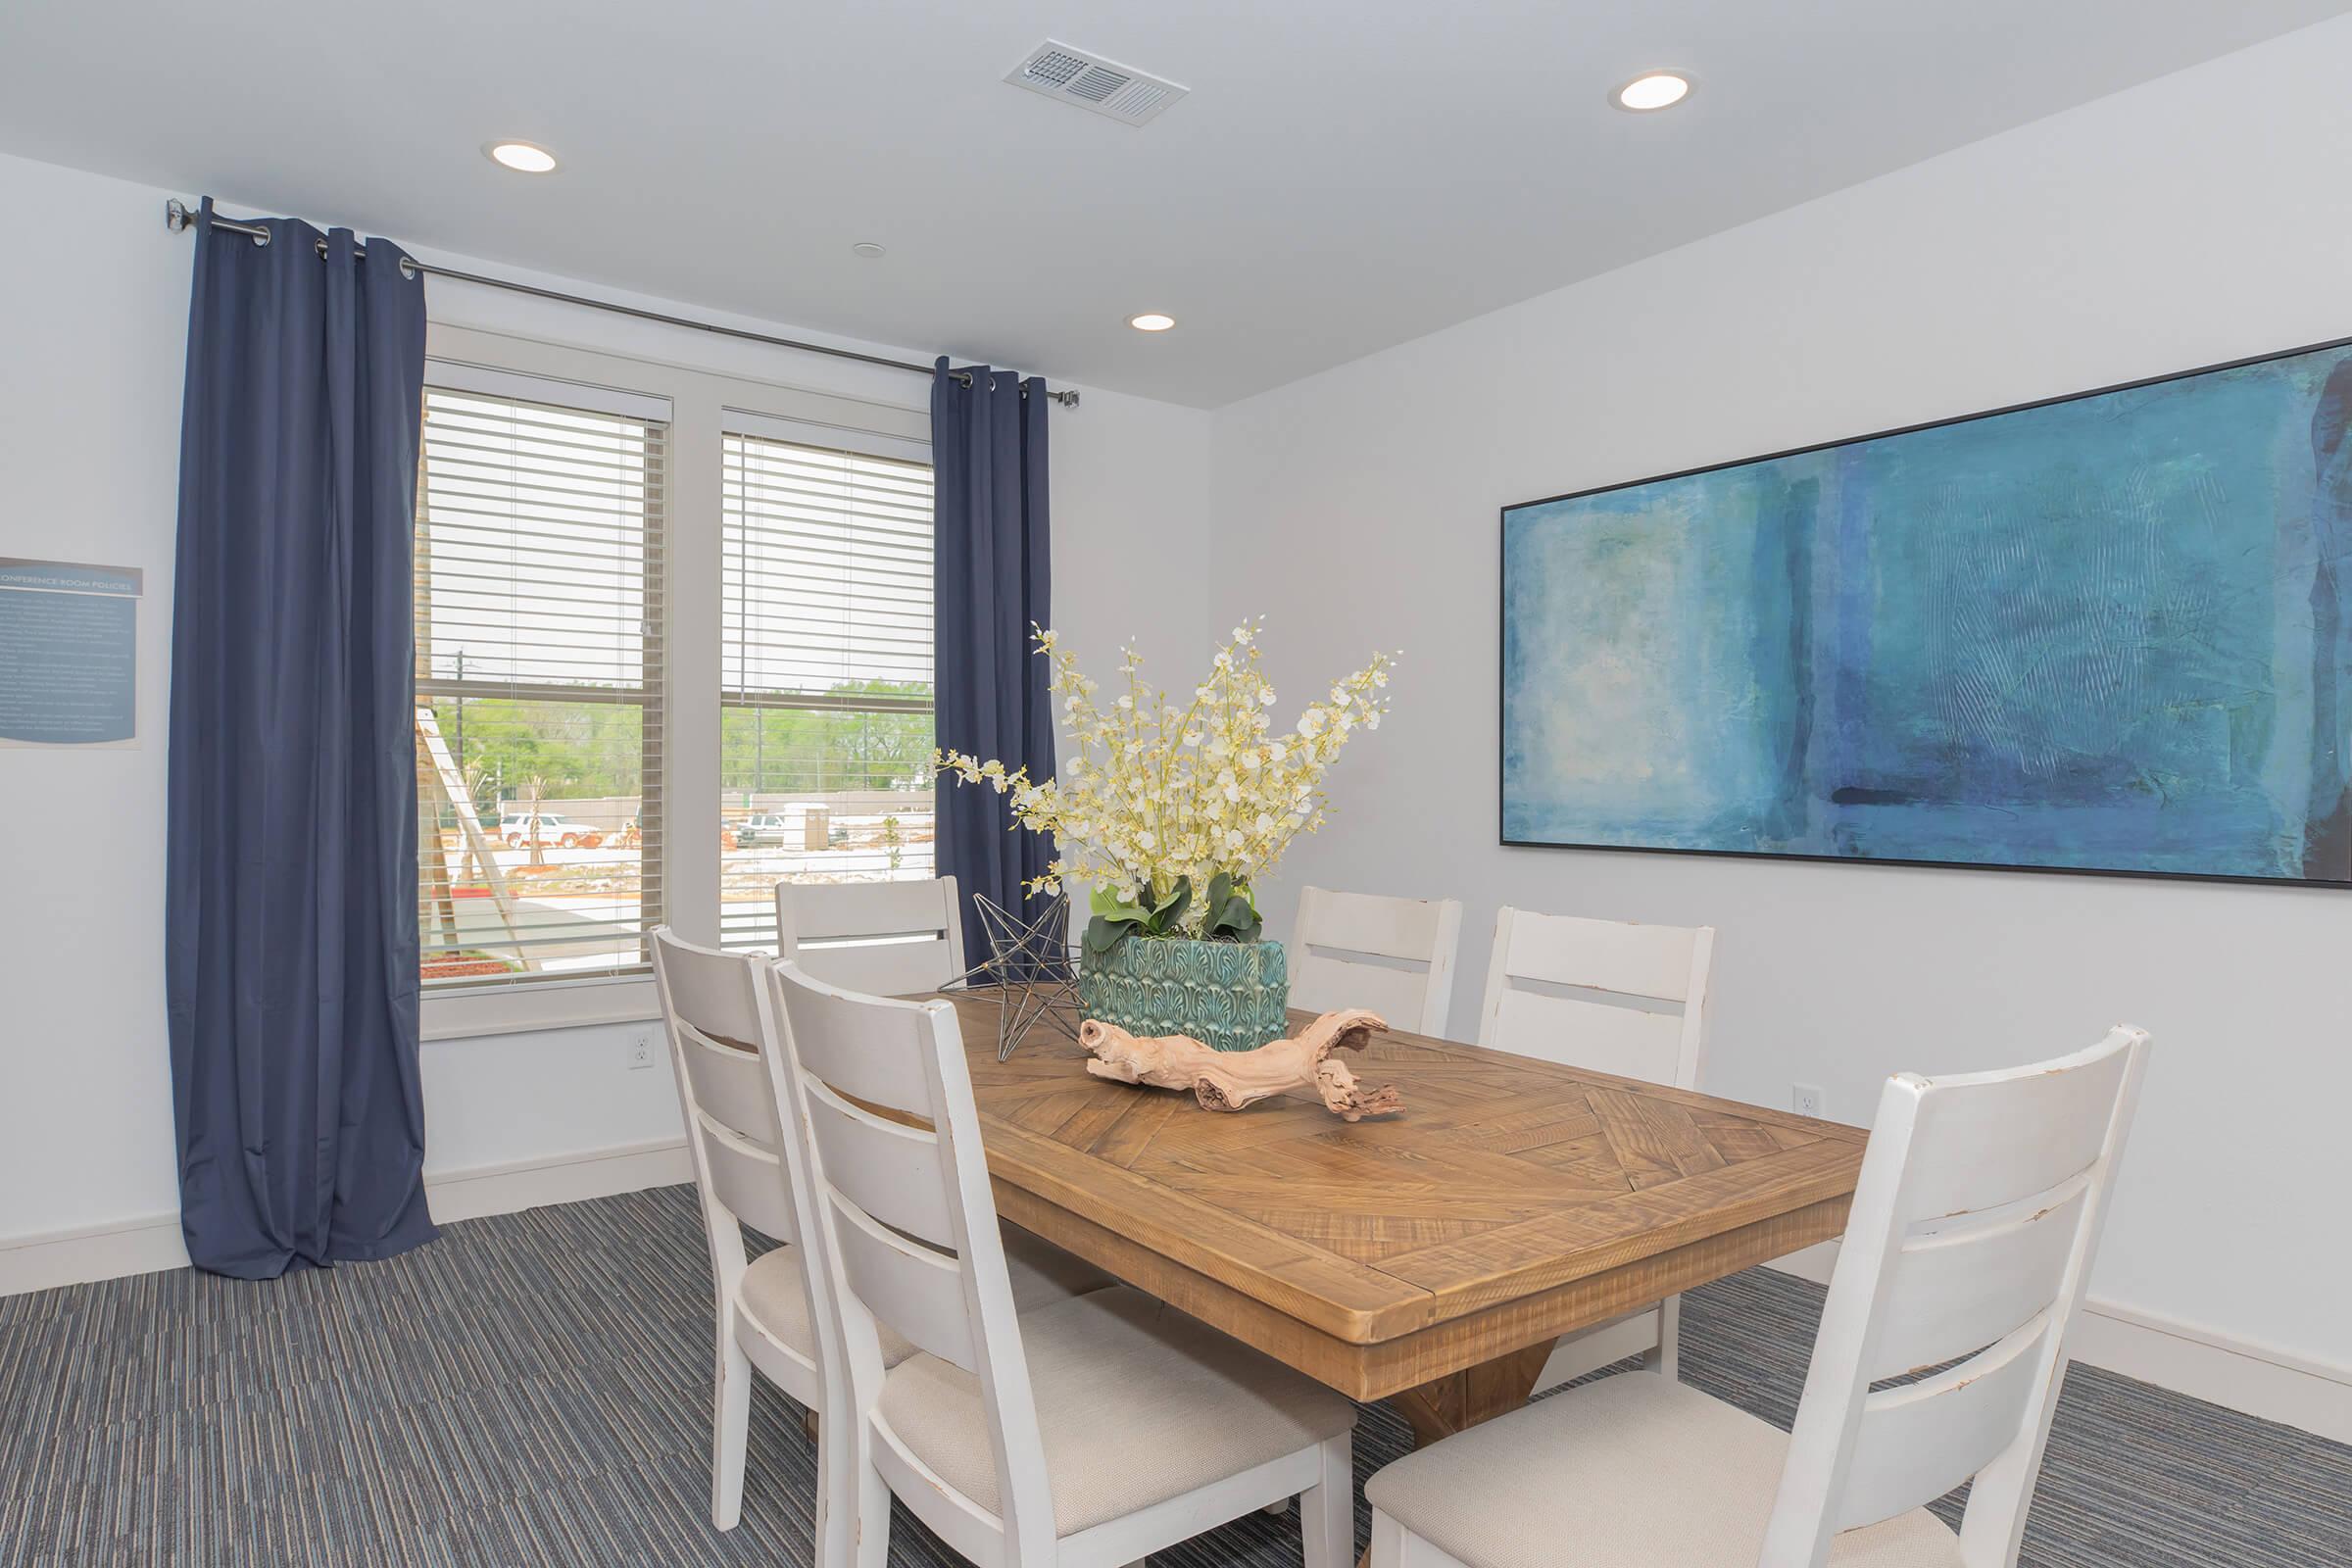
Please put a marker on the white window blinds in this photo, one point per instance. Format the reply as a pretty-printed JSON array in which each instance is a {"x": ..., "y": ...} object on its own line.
[
  {"x": 539, "y": 682},
  {"x": 825, "y": 706}
]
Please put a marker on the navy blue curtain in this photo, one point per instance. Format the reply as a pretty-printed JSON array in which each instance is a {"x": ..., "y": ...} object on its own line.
[
  {"x": 990, "y": 586},
  {"x": 290, "y": 897}
]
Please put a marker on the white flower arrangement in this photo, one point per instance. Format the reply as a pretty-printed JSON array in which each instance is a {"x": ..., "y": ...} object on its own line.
[{"x": 1155, "y": 803}]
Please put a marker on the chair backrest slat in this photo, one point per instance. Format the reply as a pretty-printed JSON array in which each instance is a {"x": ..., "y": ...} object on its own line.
[
  {"x": 1918, "y": 1441},
  {"x": 884, "y": 938},
  {"x": 1955, "y": 1292},
  {"x": 880, "y": 968},
  {"x": 888, "y": 1169},
  {"x": 716, "y": 993},
  {"x": 1972, "y": 1236},
  {"x": 864, "y": 1052},
  {"x": 1338, "y": 944},
  {"x": 1616, "y": 955},
  {"x": 1322, "y": 983},
  {"x": 729, "y": 1082},
  {"x": 916, "y": 1290},
  {"x": 1536, "y": 957},
  {"x": 749, "y": 1179},
  {"x": 1592, "y": 1034},
  {"x": 2005, "y": 1139}
]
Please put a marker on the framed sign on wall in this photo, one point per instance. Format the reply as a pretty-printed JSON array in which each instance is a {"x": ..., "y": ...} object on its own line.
[
  {"x": 2110, "y": 632},
  {"x": 69, "y": 654}
]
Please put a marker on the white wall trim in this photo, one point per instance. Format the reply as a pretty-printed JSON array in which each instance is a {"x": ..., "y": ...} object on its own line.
[
  {"x": 563, "y": 1179},
  {"x": 152, "y": 1242},
  {"x": 537, "y": 1006},
  {"x": 2204, "y": 1363},
  {"x": 50, "y": 1258}
]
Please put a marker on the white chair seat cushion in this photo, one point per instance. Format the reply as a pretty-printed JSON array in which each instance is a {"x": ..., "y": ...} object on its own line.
[
  {"x": 777, "y": 1301},
  {"x": 1136, "y": 1402},
  {"x": 1042, "y": 1273},
  {"x": 1636, "y": 1471}
]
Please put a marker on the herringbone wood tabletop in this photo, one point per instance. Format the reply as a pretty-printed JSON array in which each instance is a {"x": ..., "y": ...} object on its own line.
[{"x": 1437, "y": 1251}]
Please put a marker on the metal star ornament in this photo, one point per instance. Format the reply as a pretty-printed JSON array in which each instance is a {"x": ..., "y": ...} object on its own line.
[{"x": 1030, "y": 969}]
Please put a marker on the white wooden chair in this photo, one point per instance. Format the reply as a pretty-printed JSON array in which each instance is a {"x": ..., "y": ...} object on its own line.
[
  {"x": 1083, "y": 1435},
  {"x": 1970, "y": 1238},
  {"x": 722, "y": 1038},
  {"x": 884, "y": 938},
  {"x": 1588, "y": 993},
  {"x": 1394, "y": 956}
]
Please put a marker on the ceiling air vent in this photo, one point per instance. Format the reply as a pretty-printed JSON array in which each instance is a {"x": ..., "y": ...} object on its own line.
[{"x": 1088, "y": 82}]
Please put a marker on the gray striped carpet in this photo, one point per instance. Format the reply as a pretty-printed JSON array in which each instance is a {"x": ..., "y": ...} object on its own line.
[{"x": 534, "y": 1388}]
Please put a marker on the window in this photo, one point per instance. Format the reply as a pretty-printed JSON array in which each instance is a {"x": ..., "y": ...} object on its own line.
[
  {"x": 586, "y": 523},
  {"x": 539, "y": 564},
  {"x": 826, "y": 701}
]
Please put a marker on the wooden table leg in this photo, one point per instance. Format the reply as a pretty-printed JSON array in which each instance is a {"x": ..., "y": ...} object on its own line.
[{"x": 1462, "y": 1399}]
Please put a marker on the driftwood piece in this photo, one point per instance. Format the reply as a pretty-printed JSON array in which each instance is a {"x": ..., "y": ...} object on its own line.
[{"x": 1228, "y": 1080}]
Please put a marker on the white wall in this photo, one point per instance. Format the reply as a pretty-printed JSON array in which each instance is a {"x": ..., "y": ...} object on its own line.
[
  {"x": 92, "y": 333},
  {"x": 2195, "y": 220}
]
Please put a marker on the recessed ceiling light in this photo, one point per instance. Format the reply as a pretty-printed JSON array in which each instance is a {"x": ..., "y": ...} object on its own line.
[
  {"x": 1656, "y": 89},
  {"x": 521, "y": 157},
  {"x": 1152, "y": 321},
  {"x": 865, "y": 250}
]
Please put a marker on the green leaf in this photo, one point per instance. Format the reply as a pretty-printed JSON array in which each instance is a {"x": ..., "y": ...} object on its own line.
[
  {"x": 1167, "y": 916},
  {"x": 1115, "y": 904},
  {"x": 1104, "y": 935},
  {"x": 1235, "y": 920},
  {"x": 1234, "y": 909}
]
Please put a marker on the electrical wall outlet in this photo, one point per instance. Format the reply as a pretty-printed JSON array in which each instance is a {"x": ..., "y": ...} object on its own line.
[
  {"x": 1807, "y": 1099},
  {"x": 641, "y": 1049}
]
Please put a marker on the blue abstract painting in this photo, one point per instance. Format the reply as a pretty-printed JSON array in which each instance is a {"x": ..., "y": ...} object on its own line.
[{"x": 2104, "y": 633}]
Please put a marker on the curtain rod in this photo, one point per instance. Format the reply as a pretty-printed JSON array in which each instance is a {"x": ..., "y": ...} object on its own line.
[{"x": 179, "y": 217}]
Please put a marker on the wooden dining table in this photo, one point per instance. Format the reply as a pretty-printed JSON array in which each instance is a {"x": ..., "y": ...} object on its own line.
[{"x": 1428, "y": 1258}]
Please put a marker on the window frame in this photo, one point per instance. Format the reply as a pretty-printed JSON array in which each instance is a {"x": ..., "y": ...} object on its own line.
[
  {"x": 701, "y": 401},
  {"x": 649, "y": 697},
  {"x": 812, "y": 434}
]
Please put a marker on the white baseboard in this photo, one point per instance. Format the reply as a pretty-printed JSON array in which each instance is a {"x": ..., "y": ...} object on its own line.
[
  {"x": 2222, "y": 1369},
  {"x": 152, "y": 1242},
  {"x": 565, "y": 1178},
  {"x": 2245, "y": 1374},
  {"x": 40, "y": 1263}
]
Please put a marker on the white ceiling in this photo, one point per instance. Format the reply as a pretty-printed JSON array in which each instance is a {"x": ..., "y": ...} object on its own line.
[{"x": 1346, "y": 174}]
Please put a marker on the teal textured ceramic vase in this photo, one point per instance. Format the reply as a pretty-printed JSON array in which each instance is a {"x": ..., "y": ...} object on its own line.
[{"x": 1229, "y": 996}]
